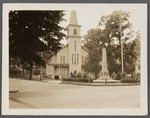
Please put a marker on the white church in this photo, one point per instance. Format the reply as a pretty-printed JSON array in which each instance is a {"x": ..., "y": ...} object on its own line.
[{"x": 72, "y": 56}]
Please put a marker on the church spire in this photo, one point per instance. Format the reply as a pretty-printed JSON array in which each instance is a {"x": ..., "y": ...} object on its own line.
[{"x": 73, "y": 18}]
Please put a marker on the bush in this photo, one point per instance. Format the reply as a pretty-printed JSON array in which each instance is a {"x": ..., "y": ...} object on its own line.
[
  {"x": 71, "y": 74},
  {"x": 36, "y": 72},
  {"x": 79, "y": 75},
  {"x": 85, "y": 75},
  {"x": 13, "y": 71},
  {"x": 77, "y": 79},
  {"x": 113, "y": 75},
  {"x": 120, "y": 76},
  {"x": 129, "y": 80},
  {"x": 75, "y": 72},
  {"x": 44, "y": 75}
]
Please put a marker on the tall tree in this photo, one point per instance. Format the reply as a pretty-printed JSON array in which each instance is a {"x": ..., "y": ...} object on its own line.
[
  {"x": 93, "y": 41},
  {"x": 111, "y": 30},
  {"x": 34, "y": 31},
  {"x": 137, "y": 44}
]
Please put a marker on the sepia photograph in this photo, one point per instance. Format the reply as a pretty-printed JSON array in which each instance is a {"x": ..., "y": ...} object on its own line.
[{"x": 74, "y": 59}]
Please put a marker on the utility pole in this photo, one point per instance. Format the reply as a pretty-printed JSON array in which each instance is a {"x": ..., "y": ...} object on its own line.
[{"x": 121, "y": 42}]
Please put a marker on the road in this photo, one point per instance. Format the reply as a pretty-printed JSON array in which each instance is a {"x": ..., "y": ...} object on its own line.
[{"x": 41, "y": 95}]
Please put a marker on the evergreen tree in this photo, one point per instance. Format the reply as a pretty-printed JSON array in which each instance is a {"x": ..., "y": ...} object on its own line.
[{"x": 31, "y": 32}]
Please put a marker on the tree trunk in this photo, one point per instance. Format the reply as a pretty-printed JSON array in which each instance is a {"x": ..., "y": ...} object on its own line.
[
  {"x": 23, "y": 72},
  {"x": 31, "y": 66}
]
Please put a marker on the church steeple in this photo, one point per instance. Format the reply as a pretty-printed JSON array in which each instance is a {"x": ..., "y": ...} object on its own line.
[
  {"x": 74, "y": 43},
  {"x": 73, "y": 18},
  {"x": 73, "y": 28}
]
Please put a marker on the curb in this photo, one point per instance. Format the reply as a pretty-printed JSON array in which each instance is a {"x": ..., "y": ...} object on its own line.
[{"x": 101, "y": 84}]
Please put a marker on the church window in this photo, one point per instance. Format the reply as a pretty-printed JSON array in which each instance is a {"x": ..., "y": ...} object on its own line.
[
  {"x": 64, "y": 59},
  {"x": 77, "y": 58},
  {"x": 74, "y": 45},
  {"x": 139, "y": 67},
  {"x": 85, "y": 59},
  {"x": 68, "y": 32},
  {"x": 72, "y": 58},
  {"x": 75, "y": 31}
]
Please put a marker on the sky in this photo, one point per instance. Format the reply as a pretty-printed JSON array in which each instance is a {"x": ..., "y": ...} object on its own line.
[{"x": 89, "y": 15}]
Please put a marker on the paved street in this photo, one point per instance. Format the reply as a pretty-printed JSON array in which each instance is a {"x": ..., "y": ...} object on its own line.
[{"x": 41, "y": 95}]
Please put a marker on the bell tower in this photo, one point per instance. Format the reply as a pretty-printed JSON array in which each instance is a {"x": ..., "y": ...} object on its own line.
[{"x": 74, "y": 43}]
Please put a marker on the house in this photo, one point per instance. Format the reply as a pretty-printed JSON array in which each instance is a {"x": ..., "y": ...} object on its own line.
[
  {"x": 137, "y": 61},
  {"x": 72, "y": 56}
]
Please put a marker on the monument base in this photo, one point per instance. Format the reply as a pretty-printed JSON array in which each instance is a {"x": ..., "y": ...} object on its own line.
[{"x": 105, "y": 76}]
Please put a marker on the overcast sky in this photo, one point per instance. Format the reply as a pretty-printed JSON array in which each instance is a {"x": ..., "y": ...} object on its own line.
[{"x": 89, "y": 15}]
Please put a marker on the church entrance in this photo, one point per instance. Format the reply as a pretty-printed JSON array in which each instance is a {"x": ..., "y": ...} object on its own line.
[{"x": 56, "y": 77}]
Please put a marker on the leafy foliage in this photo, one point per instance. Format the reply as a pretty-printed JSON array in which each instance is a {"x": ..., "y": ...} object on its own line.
[
  {"x": 36, "y": 72},
  {"x": 137, "y": 44},
  {"x": 33, "y": 31},
  {"x": 112, "y": 29}
]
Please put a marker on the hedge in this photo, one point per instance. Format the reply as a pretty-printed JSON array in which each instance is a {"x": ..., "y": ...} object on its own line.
[
  {"x": 77, "y": 79},
  {"x": 129, "y": 80}
]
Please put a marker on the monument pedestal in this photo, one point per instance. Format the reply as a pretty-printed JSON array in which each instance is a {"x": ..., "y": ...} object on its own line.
[{"x": 104, "y": 76}]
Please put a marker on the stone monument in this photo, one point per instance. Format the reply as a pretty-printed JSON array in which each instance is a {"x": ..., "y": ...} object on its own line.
[{"x": 104, "y": 75}]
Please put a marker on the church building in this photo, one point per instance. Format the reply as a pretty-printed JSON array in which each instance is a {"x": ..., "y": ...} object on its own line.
[{"x": 72, "y": 56}]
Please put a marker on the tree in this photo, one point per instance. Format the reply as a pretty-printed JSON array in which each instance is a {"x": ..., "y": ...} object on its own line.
[
  {"x": 31, "y": 32},
  {"x": 137, "y": 48},
  {"x": 92, "y": 43},
  {"x": 118, "y": 28},
  {"x": 111, "y": 30},
  {"x": 114, "y": 24}
]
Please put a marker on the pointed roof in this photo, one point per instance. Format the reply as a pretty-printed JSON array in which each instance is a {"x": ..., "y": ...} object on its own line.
[{"x": 73, "y": 18}]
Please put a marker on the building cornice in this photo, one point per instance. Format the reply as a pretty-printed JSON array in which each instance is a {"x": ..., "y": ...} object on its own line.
[
  {"x": 73, "y": 25},
  {"x": 59, "y": 64},
  {"x": 73, "y": 36}
]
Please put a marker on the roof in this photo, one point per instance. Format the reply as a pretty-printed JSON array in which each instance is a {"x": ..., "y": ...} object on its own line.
[
  {"x": 58, "y": 51},
  {"x": 73, "y": 18},
  {"x": 85, "y": 48}
]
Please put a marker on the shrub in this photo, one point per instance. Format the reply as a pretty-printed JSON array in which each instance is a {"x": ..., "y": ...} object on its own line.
[
  {"x": 113, "y": 75},
  {"x": 77, "y": 79},
  {"x": 79, "y": 75},
  {"x": 13, "y": 71},
  {"x": 36, "y": 72},
  {"x": 75, "y": 72},
  {"x": 123, "y": 75},
  {"x": 85, "y": 75},
  {"x": 71, "y": 74},
  {"x": 120, "y": 76},
  {"x": 129, "y": 80},
  {"x": 44, "y": 75}
]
